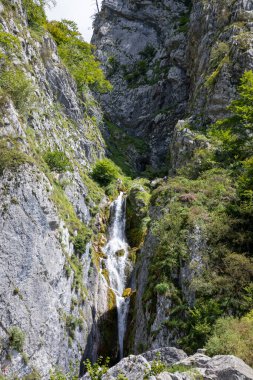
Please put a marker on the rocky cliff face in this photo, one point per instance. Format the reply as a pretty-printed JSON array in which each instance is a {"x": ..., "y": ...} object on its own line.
[
  {"x": 173, "y": 364},
  {"x": 52, "y": 296},
  {"x": 175, "y": 66},
  {"x": 169, "y": 61},
  {"x": 143, "y": 48}
]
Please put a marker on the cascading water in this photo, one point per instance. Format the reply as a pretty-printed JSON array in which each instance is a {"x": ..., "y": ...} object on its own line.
[{"x": 116, "y": 252}]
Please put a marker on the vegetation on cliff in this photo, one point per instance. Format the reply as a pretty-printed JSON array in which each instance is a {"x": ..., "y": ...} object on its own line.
[
  {"x": 201, "y": 218},
  {"x": 206, "y": 226}
]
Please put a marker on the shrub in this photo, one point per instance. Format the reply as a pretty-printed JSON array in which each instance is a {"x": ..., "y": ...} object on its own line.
[
  {"x": 245, "y": 182},
  {"x": 157, "y": 366},
  {"x": 8, "y": 42},
  {"x": 233, "y": 336},
  {"x": 148, "y": 52},
  {"x": 97, "y": 370},
  {"x": 16, "y": 338},
  {"x": 35, "y": 12},
  {"x": 162, "y": 288},
  {"x": 105, "y": 172},
  {"x": 57, "y": 161},
  {"x": 72, "y": 323},
  {"x": 15, "y": 85},
  {"x": 79, "y": 243},
  {"x": 234, "y": 134},
  {"x": 11, "y": 157},
  {"x": 78, "y": 56}
]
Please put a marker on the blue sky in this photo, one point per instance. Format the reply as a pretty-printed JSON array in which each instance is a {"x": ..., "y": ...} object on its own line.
[{"x": 80, "y": 11}]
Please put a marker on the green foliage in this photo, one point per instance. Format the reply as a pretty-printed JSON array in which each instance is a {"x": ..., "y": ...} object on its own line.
[
  {"x": 113, "y": 65},
  {"x": 105, "y": 172},
  {"x": 75, "y": 264},
  {"x": 98, "y": 369},
  {"x": 137, "y": 218},
  {"x": 235, "y": 133},
  {"x": 34, "y": 375},
  {"x": 11, "y": 156},
  {"x": 57, "y": 161},
  {"x": 211, "y": 79},
  {"x": 226, "y": 274},
  {"x": 233, "y": 336},
  {"x": 16, "y": 86},
  {"x": 218, "y": 52},
  {"x": 136, "y": 73},
  {"x": 8, "y": 42},
  {"x": 162, "y": 288},
  {"x": 183, "y": 22},
  {"x": 121, "y": 376},
  {"x": 245, "y": 181},
  {"x": 148, "y": 53},
  {"x": 58, "y": 374},
  {"x": 179, "y": 368},
  {"x": 36, "y": 15},
  {"x": 72, "y": 323},
  {"x": 157, "y": 366},
  {"x": 78, "y": 56},
  {"x": 213, "y": 191},
  {"x": 16, "y": 338},
  {"x": 67, "y": 213},
  {"x": 79, "y": 243}
]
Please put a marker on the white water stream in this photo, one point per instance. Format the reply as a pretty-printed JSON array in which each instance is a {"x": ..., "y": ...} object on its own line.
[{"x": 116, "y": 251}]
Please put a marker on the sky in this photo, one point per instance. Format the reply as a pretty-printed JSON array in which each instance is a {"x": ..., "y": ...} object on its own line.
[{"x": 80, "y": 11}]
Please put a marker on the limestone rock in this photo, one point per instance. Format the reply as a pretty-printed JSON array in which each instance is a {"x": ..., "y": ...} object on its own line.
[
  {"x": 198, "y": 366},
  {"x": 168, "y": 355}
]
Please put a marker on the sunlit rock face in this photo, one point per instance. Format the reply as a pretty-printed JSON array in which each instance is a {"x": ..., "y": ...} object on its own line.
[{"x": 39, "y": 295}]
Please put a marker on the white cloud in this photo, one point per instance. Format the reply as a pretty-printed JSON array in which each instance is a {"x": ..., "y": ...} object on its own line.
[{"x": 80, "y": 11}]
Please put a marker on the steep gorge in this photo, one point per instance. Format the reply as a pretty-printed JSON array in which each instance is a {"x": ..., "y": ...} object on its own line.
[{"x": 175, "y": 66}]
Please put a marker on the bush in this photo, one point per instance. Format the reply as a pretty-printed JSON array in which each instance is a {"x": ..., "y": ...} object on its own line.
[
  {"x": 57, "y": 161},
  {"x": 8, "y": 42},
  {"x": 157, "y": 366},
  {"x": 105, "y": 172},
  {"x": 15, "y": 85},
  {"x": 97, "y": 370},
  {"x": 11, "y": 157},
  {"x": 233, "y": 336},
  {"x": 162, "y": 288},
  {"x": 78, "y": 56},
  {"x": 16, "y": 338},
  {"x": 35, "y": 12},
  {"x": 79, "y": 243}
]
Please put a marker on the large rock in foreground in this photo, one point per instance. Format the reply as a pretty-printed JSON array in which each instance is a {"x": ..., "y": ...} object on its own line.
[{"x": 178, "y": 366}]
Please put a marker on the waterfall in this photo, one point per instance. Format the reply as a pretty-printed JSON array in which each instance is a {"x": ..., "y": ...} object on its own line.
[{"x": 116, "y": 252}]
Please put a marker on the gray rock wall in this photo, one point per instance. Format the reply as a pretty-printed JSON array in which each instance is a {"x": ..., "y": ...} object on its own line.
[
  {"x": 40, "y": 212},
  {"x": 201, "y": 49},
  {"x": 146, "y": 101}
]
